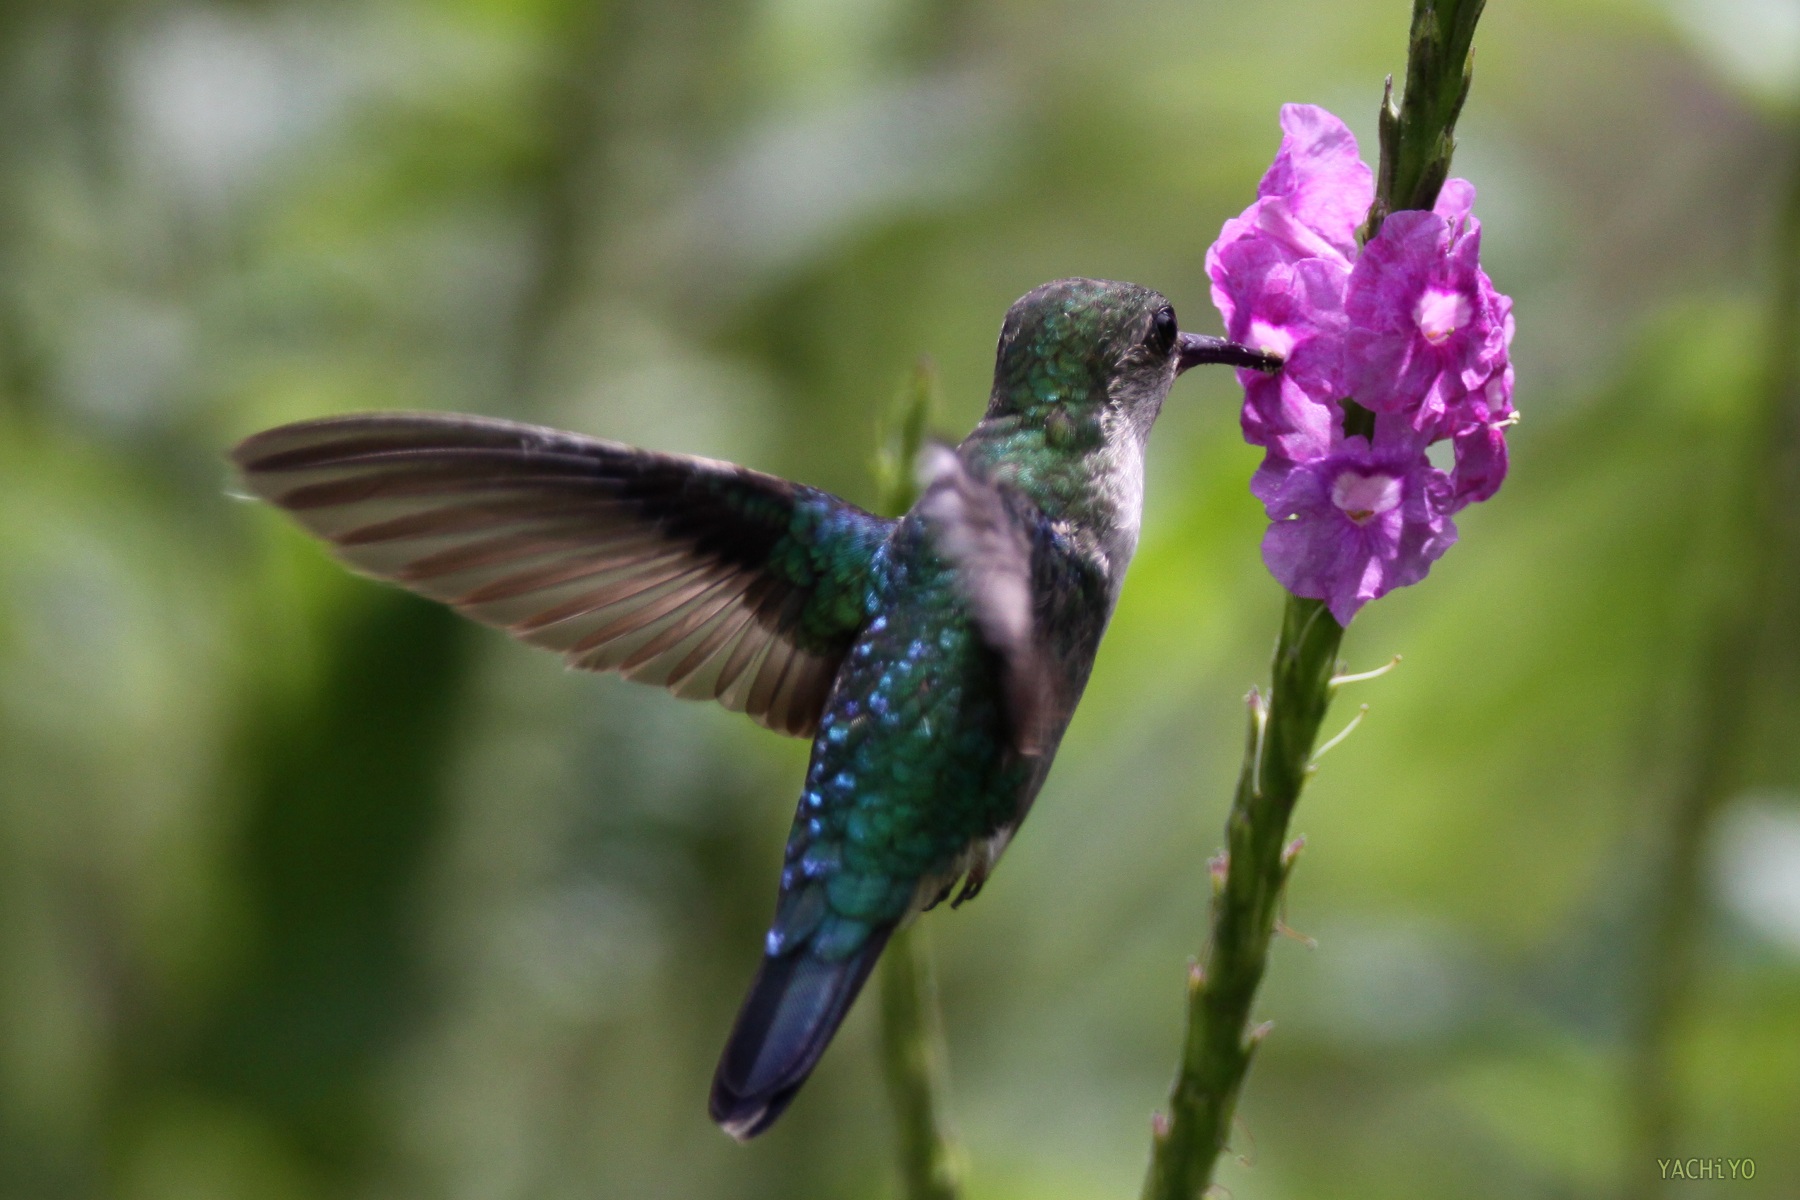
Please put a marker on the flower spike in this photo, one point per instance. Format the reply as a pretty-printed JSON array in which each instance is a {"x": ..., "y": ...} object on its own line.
[{"x": 1408, "y": 326}]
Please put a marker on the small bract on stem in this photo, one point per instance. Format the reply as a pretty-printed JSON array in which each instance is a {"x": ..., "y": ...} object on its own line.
[{"x": 1338, "y": 681}]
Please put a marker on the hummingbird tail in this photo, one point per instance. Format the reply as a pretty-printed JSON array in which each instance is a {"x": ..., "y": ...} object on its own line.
[{"x": 795, "y": 1005}]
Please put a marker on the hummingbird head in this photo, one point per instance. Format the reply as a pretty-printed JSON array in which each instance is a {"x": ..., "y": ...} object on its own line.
[
  {"x": 1091, "y": 359},
  {"x": 1081, "y": 373}
]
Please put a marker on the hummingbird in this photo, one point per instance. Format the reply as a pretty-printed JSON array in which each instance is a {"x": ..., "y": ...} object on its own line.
[{"x": 934, "y": 660}]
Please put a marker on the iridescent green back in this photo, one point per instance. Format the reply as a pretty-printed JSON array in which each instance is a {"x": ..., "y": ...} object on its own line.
[{"x": 907, "y": 769}]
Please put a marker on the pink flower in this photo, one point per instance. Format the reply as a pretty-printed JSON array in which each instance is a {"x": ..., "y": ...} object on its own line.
[
  {"x": 1278, "y": 275},
  {"x": 1312, "y": 198},
  {"x": 1320, "y": 174},
  {"x": 1295, "y": 310},
  {"x": 1423, "y": 330},
  {"x": 1356, "y": 524}
]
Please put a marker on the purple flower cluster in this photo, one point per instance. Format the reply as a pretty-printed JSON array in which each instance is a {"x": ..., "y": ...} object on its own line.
[{"x": 1409, "y": 327}]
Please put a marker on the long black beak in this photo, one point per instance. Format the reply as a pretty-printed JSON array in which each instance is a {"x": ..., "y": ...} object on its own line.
[{"x": 1197, "y": 348}]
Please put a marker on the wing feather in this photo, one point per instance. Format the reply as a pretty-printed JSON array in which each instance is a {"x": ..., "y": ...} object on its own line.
[
  {"x": 700, "y": 609},
  {"x": 708, "y": 579},
  {"x": 697, "y": 675}
]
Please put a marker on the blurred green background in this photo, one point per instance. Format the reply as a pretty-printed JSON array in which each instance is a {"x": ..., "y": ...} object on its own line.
[{"x": 308, "y": 889}]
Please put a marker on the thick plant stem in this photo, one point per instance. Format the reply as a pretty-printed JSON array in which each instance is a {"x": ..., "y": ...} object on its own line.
[
  {"x": 1752, "y": 633},
  {"x": 1417, "y": 140},
  {"x": 1218, "y": 1048},
  {"x": 913, "y": 1055}
]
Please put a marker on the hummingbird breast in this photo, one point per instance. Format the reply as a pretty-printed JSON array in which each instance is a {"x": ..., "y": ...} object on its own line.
[{"x": 1094, "y": 498}]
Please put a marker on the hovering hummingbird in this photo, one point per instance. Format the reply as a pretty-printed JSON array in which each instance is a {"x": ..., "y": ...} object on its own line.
[{"x": 934, "y": 660}]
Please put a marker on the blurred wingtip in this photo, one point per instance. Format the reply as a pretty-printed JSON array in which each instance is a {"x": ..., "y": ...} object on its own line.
[{"x": 936, "y": 460}]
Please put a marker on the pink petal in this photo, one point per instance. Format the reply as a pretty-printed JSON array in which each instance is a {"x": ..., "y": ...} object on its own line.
[
  {"x": 1285, "y": 417},
  {"x": 1423, "y": 330},
  {"x": 1456, "y": 201},
  {"x": 1481, "y": 462},
  {"x": 1320, "y": 173},
  {"x": 1317, "y": 548}
]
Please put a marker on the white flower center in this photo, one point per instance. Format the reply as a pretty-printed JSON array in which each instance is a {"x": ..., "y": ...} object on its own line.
[
  {"x": 1274, "y": 339},
  {"x": 1362, "y": 497},
  {"x": 1442, "y": 313}
]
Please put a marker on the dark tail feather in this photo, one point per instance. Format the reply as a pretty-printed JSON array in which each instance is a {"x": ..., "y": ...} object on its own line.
[{"x": 795, "y": 1005}]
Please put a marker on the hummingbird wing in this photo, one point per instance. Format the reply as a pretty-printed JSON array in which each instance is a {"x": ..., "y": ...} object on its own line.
[
  {"x": 714, "y": 581},
  {"x": 989, "y": 534}
]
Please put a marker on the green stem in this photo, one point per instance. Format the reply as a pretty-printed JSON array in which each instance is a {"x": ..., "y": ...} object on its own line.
[
  {"x": 1418, "y": 136},
  {"x": 913, "y": 1054},
  {"x": 1216, "y": 1053},
  {"x": 913, "y": 1058},
  {"x": 1751, "y": 634},
  {"x": 1417, "y": 140}
]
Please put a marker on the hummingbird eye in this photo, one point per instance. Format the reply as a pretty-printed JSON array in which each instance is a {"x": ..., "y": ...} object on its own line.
[{"x": 1161, "y": 335}]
